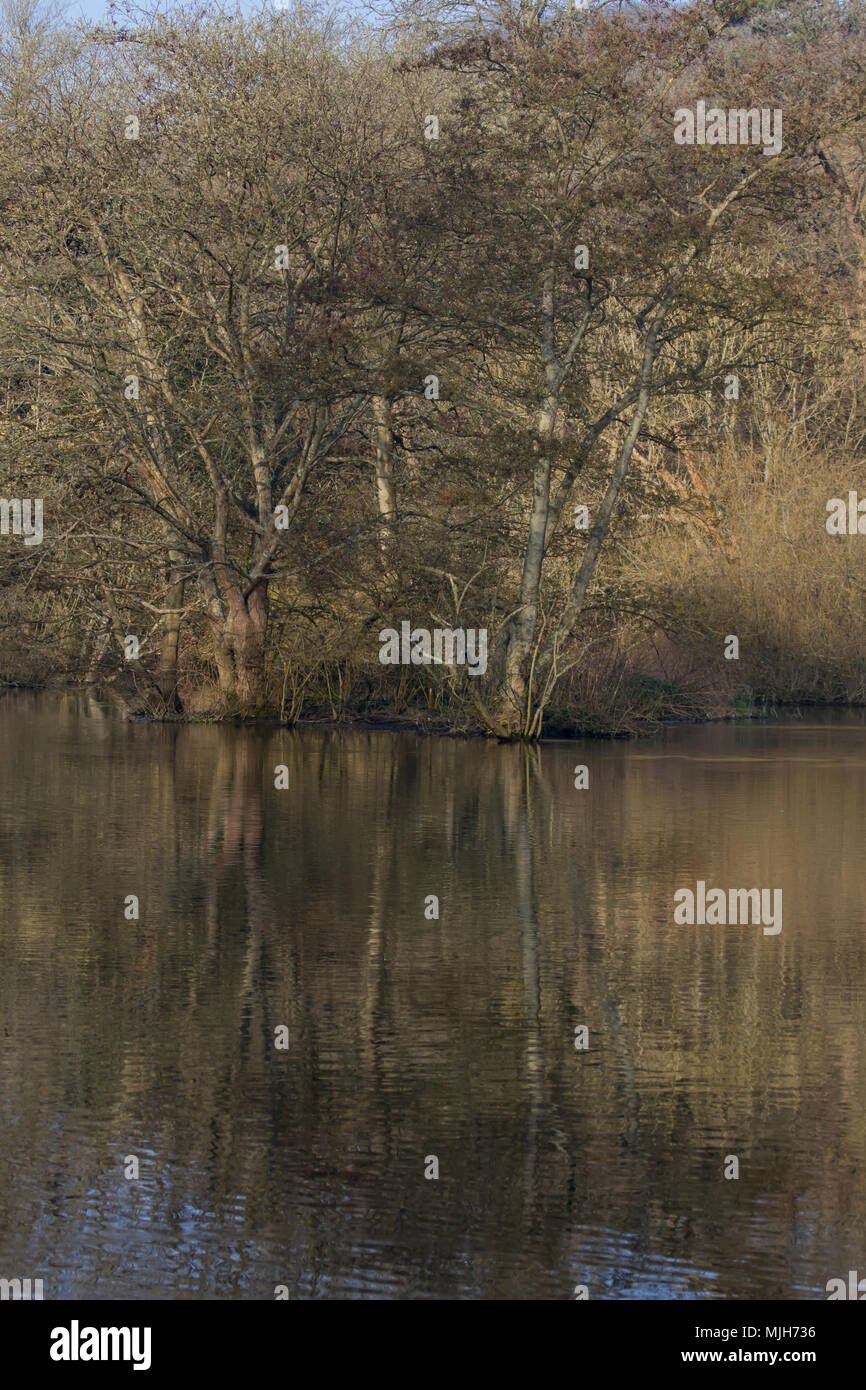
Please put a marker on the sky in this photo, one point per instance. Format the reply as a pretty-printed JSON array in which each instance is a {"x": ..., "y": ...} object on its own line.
[{"x": 98, "y": 12}]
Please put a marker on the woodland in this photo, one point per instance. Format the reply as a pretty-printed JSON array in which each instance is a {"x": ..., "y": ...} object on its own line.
[{"x": 316, "y": 323}]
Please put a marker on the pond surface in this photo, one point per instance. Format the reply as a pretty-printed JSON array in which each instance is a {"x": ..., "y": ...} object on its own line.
[{"x": 412, "y": 1038}]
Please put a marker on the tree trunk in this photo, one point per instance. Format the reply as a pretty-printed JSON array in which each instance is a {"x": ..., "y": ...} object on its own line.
[
  {"x": 511, "y": 704},
  {"x": 245, "y": 635},
  {"x": 386, "y": 492},
  {"x": 599, "y": 532},
  {"x": 100, "y": 646},
  {"x": 225, "y": 664},
  {"x": 166, "y": 675},
  {"x": 386, "y": 488}
]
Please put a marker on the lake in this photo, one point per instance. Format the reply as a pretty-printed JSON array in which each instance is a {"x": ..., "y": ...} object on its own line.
[{"x": 157, "y": 1142}]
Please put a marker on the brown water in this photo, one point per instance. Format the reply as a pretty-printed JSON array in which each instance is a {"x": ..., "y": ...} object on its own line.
[{"x": 410, "y": 1037}]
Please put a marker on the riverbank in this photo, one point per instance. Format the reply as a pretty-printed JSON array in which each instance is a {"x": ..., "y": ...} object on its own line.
[
  {"x": 760, "y": 609},
  {"x": 745, "y": 708}
]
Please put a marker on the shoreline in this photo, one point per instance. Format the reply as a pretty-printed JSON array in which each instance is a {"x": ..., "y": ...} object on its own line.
[{"x": 761, "y": 712}]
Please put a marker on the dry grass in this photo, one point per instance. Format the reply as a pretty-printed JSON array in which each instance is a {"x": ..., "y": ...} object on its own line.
[{"x": 794, "y": 595}]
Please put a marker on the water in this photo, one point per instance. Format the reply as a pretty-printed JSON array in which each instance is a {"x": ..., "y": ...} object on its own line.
[{"x": 411, "y": 1037}]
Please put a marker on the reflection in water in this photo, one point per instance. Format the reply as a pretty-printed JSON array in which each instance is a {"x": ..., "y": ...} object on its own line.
[{"x": 410, "y": 1037}]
